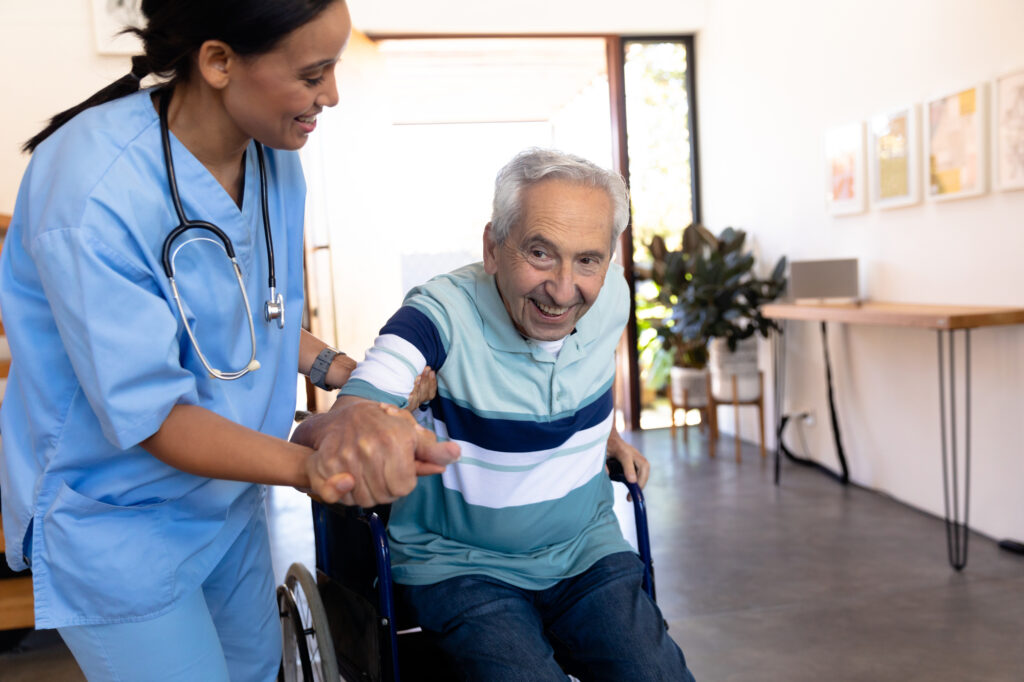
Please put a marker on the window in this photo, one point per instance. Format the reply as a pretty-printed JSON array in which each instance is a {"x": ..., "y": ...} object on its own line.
[{"x": 661, "y": 153}]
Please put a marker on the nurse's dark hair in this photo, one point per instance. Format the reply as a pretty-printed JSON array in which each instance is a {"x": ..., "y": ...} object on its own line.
[{"x": 175, "y": 30}]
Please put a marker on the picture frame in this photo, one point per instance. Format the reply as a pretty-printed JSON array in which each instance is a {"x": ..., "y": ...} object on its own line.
[
  {"x": 845, "y": 184},
  {"x": 1008, "y": 139},
  {"x": 894, "y": 158},
  {"x": 109, "y": 18},
  {"x": 955, "y": 159}
]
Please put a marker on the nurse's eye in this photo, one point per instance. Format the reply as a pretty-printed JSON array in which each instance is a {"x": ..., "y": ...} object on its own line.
[{"x": 314, "y": 81}]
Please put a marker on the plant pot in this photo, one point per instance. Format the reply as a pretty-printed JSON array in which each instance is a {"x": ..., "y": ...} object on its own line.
[
  {"x": 694, "y": 381},
  {"x": 741, "y": 363}
]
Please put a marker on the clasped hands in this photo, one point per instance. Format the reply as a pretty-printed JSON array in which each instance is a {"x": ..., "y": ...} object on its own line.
[{"x": 368, "y": 453}]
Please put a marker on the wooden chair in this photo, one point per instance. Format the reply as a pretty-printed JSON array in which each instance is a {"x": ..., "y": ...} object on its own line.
[
  {"x": 686, "y": 406},
  {"x": 735, "y": 403}
]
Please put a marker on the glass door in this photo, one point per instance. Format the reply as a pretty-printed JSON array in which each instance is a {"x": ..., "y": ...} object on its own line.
[{"x": 662, "y": 162}]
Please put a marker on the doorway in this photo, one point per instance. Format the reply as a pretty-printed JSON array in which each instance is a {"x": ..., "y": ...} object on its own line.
[{"x": 409, "y": 156}]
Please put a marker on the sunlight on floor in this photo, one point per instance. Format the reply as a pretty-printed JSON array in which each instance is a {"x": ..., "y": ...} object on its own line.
[{"x": 658, "y": 415}]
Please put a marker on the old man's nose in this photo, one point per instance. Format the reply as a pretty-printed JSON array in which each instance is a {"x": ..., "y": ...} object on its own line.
[{"x": 562, "y": 286}]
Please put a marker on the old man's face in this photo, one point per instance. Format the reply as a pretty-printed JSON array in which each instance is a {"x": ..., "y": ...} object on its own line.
[{"x": 551, "y": 267}]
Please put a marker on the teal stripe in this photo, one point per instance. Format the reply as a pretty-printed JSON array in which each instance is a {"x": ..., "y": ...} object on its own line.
[
  {"x": 364, "y": 389},
  {"x": 525, "y": 417},
  {"x": 528, "y": 467},
  {"x": 397, "y": 356}
]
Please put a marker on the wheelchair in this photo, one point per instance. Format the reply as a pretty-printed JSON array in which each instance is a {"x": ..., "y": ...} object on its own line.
[{"x": 343, "y": 624}]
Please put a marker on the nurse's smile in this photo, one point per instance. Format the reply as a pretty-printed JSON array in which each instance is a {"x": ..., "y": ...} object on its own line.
[{"x": 307, "y": 122}]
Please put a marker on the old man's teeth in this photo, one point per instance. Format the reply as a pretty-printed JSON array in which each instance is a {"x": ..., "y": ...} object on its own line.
[{"x": 548, "y": 310}]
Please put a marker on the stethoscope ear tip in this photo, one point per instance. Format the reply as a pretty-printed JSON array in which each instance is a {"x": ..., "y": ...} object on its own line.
[{"x": 254, "y": 365}]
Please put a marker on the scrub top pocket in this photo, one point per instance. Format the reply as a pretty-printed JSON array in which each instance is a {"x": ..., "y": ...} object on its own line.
[{"x": 112, "y": 582}]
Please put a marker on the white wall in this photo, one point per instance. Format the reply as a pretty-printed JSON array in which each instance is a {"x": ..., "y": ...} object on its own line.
[
  {"x": 771, "y": 78},
  {"x": 528, "y": 16},
  {"x": 48, "y": 62}
]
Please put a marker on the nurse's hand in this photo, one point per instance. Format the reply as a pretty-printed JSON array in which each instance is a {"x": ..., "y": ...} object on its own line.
[{"x": 380, "y": 446}]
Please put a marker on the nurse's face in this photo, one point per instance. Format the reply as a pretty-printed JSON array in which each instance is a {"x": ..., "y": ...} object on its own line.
[{"x": 275, "y": 97}]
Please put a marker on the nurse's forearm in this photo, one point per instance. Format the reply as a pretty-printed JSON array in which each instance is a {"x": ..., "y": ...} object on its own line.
[
  {"x": 201, "y": 442},
  {"x": 341, "y": 367}
]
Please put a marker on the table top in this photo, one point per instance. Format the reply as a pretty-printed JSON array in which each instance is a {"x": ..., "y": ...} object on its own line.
[{"x": 897, "y": 314}]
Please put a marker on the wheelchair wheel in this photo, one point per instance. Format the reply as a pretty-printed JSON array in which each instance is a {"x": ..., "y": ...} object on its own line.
[{"x": 308, "y": 653}]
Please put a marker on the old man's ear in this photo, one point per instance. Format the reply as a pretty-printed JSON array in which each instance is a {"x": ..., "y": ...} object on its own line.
[{"x": 490, "y": 251}]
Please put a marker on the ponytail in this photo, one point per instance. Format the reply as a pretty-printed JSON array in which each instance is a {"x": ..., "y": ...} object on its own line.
[{"x": 123, "y": 86}]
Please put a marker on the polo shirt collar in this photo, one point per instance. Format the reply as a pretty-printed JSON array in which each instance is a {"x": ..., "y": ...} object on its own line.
[{"x": 502, "y": 335}]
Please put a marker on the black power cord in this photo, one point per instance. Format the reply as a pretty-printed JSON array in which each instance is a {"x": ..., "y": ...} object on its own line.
[{"x": 1012, "y": 546}]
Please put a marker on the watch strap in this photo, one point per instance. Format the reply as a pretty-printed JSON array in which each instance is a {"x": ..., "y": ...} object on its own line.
[{"x": 318, "y": 372}]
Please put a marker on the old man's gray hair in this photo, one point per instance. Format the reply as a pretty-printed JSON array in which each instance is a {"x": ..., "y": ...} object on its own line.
[{"x": 534, "y": 165}]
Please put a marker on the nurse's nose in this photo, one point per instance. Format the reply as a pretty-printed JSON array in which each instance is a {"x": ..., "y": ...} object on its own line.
[{"x": 328, "y": 97}]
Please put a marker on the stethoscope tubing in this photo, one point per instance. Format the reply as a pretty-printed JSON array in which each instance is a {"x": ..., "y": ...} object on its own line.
[{"x": 274, "y": 308}]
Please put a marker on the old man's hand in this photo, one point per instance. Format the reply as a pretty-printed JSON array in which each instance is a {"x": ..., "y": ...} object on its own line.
[
  {"x": 635, "y": 466},
  {"x": 366, "y": 453}
]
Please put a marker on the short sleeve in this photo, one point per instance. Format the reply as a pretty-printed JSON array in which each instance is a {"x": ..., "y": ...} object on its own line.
[
  {"x": 407, "y": 343},
  {"x": 119, "y": 332}
]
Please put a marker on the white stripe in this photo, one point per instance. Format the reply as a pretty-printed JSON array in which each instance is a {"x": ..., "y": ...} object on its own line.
[
  {"x": 386, "y": 372},
  {"x": 396, "y": 344},
  {"x": 599, "y": 433},
  {"x": 551, "y": 480}
]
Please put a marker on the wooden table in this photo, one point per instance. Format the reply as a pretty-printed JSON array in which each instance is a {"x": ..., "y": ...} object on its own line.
[{"x": 946, "y": 319}]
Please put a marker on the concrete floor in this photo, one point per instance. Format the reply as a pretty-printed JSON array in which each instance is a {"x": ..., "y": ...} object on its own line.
[{"x": 804, "y": 582}]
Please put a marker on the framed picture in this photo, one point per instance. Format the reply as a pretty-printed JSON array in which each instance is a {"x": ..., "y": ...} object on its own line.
[
  {"x": 1009, "y": 135},
  {"x": 894, "y": 158},
  {"x": 109, "y": 18},
  {"x": 954, "y": 138},
  {"x": 844, "y": 169}
]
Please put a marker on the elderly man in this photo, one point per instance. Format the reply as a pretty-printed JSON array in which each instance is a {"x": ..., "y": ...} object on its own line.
[{"x": 515, "y": 548}]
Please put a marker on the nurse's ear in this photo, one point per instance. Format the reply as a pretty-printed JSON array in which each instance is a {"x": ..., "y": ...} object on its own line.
[{"x": 214, "y": 62}]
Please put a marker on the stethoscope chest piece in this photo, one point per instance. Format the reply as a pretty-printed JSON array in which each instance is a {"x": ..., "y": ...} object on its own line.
[{"x": 273, "y": 309}]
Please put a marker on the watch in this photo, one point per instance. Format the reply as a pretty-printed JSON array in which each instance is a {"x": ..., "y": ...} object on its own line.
[{"x": 318, "y": 372}]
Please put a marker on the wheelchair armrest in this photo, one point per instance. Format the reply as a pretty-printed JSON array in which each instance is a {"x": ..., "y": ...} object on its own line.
[
  {"x": 643, "y": 540},
  {"x": 616, "y": 473}
]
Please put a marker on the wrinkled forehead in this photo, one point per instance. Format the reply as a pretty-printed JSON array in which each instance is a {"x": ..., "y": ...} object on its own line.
[{"x": 565, "y": 213}]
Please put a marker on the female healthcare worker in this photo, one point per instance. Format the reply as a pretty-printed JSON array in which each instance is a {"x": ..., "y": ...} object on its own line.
[{"x": 135, "y": 423}]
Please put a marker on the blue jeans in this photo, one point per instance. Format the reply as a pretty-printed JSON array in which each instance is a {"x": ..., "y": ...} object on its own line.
[{"x": 601, "y": 622}]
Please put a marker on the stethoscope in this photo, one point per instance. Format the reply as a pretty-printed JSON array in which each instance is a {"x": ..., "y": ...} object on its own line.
[{"x": 274, "y": 308}]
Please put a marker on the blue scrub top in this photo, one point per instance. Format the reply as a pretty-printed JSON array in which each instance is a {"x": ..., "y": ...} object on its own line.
[{"x": 100, "y": 356}]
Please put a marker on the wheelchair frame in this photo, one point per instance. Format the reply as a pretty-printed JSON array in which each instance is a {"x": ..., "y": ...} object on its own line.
[{"x": 332, "y": 527}]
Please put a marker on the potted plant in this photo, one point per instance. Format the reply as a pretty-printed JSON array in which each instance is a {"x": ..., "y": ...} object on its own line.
[
  {"x": 714, "y": 301},
  {"x": 671, "y": 272}
]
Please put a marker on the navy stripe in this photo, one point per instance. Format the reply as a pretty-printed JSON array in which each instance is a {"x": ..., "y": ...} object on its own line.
[
  {"x": 514, "y": 435},
  {"x": 419, "y": 330}
]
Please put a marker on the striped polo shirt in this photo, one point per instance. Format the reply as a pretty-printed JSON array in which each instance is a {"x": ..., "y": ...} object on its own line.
[{"x": 528, "y": 502}]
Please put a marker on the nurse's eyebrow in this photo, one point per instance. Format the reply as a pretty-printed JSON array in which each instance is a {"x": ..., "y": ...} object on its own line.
[{"x": 323, "y": 63}]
